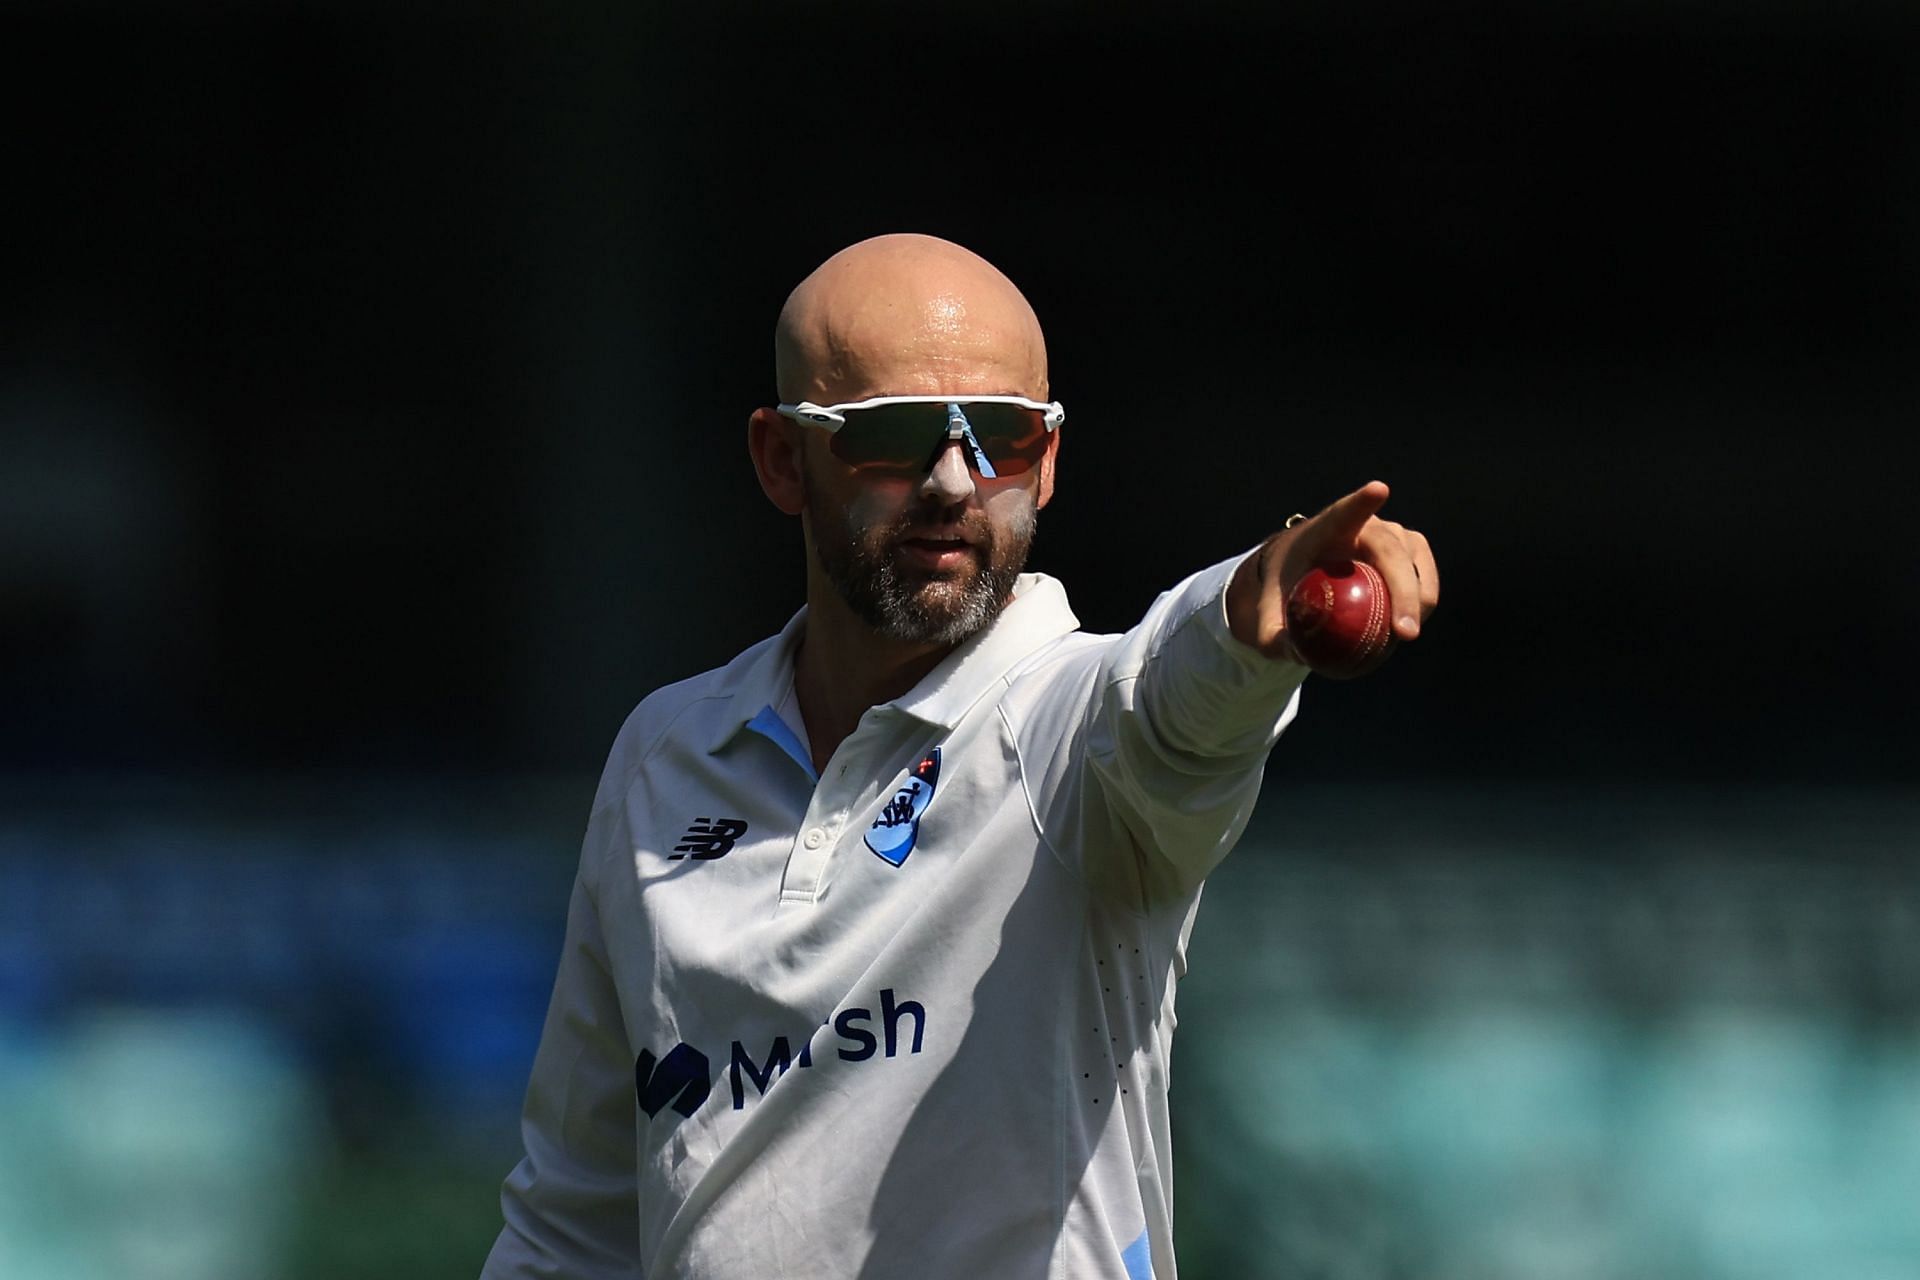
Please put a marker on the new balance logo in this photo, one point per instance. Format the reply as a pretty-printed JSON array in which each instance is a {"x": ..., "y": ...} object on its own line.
[
  {"x": 709, "y": 838},
  {"x": 684, "y": 1078}
]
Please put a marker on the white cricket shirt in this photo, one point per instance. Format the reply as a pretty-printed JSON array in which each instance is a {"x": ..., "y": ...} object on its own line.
[{"x": 908, "y": 1020}]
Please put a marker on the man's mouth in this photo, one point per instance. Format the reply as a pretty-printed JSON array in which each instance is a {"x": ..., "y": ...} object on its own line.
[{"x": 937, "y": 552}]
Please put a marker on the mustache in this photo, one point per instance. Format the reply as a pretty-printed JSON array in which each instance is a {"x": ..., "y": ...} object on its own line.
[{"x": 975, "y": 529}]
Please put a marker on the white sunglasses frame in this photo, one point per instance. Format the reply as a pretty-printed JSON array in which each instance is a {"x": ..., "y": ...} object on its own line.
[{"x": 832, "y": 417}]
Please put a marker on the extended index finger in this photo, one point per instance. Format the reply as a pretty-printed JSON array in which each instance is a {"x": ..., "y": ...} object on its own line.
[{"x": 1336, "y": 531}]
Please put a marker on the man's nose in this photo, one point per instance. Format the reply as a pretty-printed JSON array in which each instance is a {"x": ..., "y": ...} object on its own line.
[{"x": 950, "y": 479}]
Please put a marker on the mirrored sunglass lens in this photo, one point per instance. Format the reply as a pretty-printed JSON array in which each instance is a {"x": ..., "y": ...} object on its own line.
[
  {"x": 892, "y": 435},
  {"x": 1013, "y": 437},
  {"x": 907, "y": 436}
]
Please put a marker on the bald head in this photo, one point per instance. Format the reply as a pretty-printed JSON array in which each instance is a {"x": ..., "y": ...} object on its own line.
[{"x": 907, "y": 315}]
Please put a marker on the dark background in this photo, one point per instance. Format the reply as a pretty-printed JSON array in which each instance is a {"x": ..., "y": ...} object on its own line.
[{"x": 375, "y": 379}]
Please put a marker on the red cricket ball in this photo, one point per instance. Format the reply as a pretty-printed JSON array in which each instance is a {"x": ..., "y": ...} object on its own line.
[{"x": 1339, "y": 619}]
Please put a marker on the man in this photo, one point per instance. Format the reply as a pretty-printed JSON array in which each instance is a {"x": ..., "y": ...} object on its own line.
[{"x": 870, "y": 962}]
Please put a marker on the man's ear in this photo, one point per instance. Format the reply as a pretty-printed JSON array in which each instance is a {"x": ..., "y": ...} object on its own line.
[
  {"x": 1047, "y": 461},
  {"x": 774, "y": 443}
]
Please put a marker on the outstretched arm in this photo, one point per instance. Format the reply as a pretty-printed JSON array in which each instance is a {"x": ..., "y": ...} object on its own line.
[{"x": 1164, "y": 737}]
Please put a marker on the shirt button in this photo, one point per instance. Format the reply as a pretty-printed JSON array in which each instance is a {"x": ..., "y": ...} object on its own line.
[{"x": 815, "y": 838}]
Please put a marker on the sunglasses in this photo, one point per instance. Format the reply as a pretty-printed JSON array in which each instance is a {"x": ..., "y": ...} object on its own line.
[{"x": 1004, "y": 435}]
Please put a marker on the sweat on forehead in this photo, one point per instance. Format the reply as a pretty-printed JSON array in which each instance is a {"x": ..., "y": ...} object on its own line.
[{"x": 907, "y": 315}]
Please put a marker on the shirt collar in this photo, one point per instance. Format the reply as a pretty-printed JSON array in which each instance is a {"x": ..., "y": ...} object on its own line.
[
  {"x": 757, "y": 679},
  {"x": 1037, "y": 615}
]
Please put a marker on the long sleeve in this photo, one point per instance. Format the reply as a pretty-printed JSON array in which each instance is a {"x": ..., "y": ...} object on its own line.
[
  {"x": 570, "y": 1205},
  {"x": 1150, "y": 748}
]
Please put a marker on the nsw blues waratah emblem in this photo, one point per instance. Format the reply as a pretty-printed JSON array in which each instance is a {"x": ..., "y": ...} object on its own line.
[{"x": 898, "y": 826}]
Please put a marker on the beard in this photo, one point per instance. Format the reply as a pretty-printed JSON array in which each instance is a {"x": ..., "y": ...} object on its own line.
[{"x": 902, "y": 602}]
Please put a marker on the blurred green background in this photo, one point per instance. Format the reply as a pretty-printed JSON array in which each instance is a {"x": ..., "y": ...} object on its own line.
[
  {"x": 372, "y": 384},
  {"x": 1506, "y": 1034}
]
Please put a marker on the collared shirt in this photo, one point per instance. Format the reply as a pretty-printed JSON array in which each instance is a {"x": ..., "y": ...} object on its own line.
[{"x": 908, "y": 1019}]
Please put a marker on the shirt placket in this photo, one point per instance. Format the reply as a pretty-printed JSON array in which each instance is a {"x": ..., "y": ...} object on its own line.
[{"x": 848, "y": 784}]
